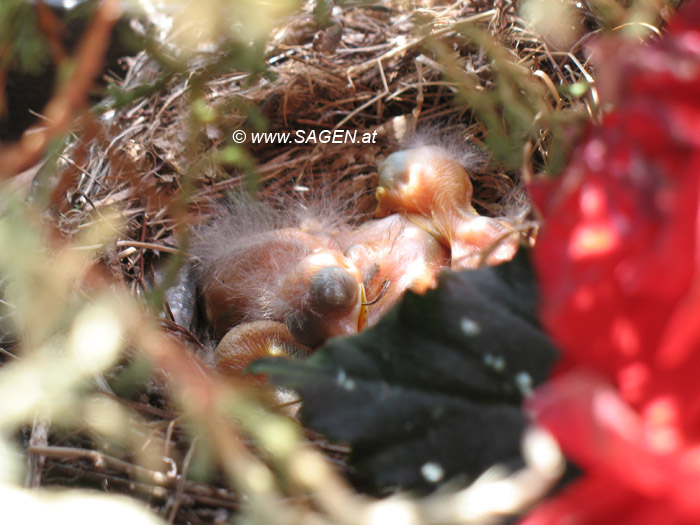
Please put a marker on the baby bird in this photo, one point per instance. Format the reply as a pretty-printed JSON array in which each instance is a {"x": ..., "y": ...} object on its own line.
[
  {"x": 258, "y": 264},
  {"x": 247, "y": 342},
  {"x": 285, "y": 275},
  {"x": 432, "y": 188},
  {"x": 394, "y": 255},
  {"x": 283, "y": 282}
]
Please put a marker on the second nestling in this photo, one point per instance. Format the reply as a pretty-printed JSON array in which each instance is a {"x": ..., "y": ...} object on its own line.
[{"x": 281, "y": 283}]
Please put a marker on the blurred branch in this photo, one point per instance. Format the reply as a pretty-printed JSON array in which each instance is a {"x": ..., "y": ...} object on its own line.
[
  {"x": 52, "y": 27},
  {"x": 70, "y": 99}
]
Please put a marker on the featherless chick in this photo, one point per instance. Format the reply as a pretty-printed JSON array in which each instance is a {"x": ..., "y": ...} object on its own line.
[
  {"x": 394, "y": 255},
  {"x": 257, "y": 263},
  {"x": 430, "y": 186},
  {"x": 282, "y": 281}
]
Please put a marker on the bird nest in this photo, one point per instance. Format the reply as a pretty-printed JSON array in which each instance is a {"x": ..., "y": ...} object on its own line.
[
  {"x": 386, "y": 77},
  {"x": 163, "y": 156}
]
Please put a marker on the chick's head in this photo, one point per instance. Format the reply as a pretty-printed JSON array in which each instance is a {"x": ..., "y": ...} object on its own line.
[
  {"x": 325, "y": 298},
  {"x": 419, "y": 179}
]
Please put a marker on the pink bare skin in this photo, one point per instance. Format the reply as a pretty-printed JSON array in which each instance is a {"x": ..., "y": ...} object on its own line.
[{"x": 429, "y": 185}]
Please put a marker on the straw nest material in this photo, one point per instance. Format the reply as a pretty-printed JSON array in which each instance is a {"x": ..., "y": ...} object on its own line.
[
  {"x": 380, "y": 76},
  {"x": 372, "y": 70}
]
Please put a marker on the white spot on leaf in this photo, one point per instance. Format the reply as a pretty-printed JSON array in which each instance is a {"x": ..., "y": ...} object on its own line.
[
  {"x": 470, "y": 327},
  {"x": 523, "y": 380},
  {"x": 432, "y": 472}
]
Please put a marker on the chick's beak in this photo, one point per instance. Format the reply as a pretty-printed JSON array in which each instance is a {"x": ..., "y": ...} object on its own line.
[
  {"x": 355, "y": 321},
  {"x": 382, "y": 210},
  {"x": 364, "y": 315}
]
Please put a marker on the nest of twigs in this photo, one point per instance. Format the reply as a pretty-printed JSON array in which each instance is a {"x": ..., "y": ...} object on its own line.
[
  {"x": 381, "y": 75},
  {"x": 376, "y": 69}
]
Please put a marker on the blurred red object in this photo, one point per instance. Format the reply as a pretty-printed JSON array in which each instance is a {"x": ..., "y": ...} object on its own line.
[{"x": 618, "y": 262}]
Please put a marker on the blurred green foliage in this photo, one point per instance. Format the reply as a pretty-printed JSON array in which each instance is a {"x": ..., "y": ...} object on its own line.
[{"x": 22, "y": 44}]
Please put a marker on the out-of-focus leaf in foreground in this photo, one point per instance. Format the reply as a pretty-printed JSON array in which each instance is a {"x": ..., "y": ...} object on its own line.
[
  {"x": 435, "y": 389},
  {"x": 77, "y": 507},
  {"x": 617, "y": 262}
]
